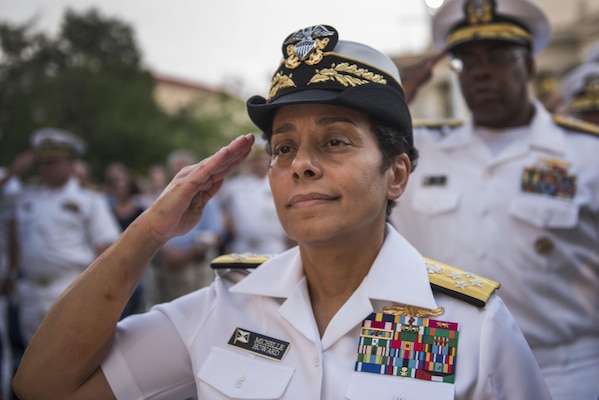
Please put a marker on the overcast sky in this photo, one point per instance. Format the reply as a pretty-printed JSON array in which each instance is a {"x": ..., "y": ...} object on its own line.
[{"x": 215, "y": 42}]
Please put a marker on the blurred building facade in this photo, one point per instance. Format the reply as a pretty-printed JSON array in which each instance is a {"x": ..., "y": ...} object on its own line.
[
  {"x": 176, "y": 94},
  {"x": 575, "y": 26}
]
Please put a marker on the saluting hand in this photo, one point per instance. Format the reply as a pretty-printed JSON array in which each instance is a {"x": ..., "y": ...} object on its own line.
[
  {"x": 180, "y": 205},
  {"x": 416, "y": 75}
]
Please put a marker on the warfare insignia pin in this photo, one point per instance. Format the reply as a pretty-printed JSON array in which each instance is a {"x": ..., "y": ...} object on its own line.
[
  {"x": 408, "y": 346},
  {"x": 261, "y": 345}
]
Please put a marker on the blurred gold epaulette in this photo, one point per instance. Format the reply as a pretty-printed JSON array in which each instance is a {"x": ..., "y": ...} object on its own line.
[
  {"x": 460, "y": 284},
  {"x": 437, "y": 124},
  {"x": 576, "y": 124},
  {"x": 239, "y": 261}
]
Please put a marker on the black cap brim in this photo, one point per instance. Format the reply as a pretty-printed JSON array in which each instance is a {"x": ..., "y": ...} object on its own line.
[{"x": 380, "y": 102}]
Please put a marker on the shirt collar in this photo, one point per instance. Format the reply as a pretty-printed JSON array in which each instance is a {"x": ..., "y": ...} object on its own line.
[
  {"x": 398, "y": 275},
  {"x": 543, "y": 134}
]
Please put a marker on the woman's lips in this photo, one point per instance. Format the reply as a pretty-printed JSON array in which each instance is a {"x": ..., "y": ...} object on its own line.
[{"x": 302, "y": 200}]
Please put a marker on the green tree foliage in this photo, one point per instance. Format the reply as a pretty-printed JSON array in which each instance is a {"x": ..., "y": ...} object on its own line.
[{"x": 89, "y": 80}]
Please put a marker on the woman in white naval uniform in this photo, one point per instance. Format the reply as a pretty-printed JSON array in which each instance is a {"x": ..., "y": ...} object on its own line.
[{"x": 348, "y": 313}]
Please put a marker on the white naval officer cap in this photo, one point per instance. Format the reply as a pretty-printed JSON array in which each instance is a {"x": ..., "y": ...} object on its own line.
[
  {"x": 518, "y": 21},
  {"x": 580, "y": 88},
  {"x": 52, "y": 143}
]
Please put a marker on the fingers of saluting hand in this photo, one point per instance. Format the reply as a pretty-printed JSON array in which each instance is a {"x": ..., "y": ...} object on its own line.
[
  {"x": 181, "y": 204},
  {"x": 219, "y": 165}
]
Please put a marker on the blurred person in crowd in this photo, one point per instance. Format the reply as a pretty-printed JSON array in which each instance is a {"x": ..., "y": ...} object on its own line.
[
  {"x": 511, "y": 193},
  {"x": 113, "y": 172},
  {"x": 157, "y": 180},
  {"x": 181, "y": 265},
  {"x": 249, "y": 210},
  {"x": 10, "y": 347},
  {"x": 60, "y": 227},
  {"x": 580, "y": 92},
  {"x": 592, "y": 53},
  {"x": 348, "y": 313},
  {"x": 126, "y": 208},
  {"x": 82, "y": 173}
]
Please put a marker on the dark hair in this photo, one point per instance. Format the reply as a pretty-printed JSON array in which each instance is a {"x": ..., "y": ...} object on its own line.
[{"x": 391, "y": 141}]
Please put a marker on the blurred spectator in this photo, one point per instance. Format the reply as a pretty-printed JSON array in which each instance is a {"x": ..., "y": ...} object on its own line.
[
  {"x": 126, "y": 207},
  {"x": 592, "y": 53},
  {"x": 10, "y": 186},
  {"x": 113, "y": 172},
  {"x": 580, "y": 92},
  {"x": 81, "y": 172},
  {"x": 249, "y": 210},
  {"x": 181, "y": 266},
  {"x": 60, "y": 227},
  {"x": 157, "y": 179}
]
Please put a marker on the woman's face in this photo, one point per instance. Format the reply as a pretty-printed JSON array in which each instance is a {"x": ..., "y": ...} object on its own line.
[{"x": 326, "y": 175}]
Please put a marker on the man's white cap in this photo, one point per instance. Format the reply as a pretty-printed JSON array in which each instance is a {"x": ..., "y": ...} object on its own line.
[
  {"x": 49, "y": 143},
  {"x": 518, "y": 21},
  {"x": 580, "y": 88}
]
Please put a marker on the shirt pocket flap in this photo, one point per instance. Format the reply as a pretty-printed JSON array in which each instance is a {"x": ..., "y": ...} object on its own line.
[
  {"x": 367, "y": 386},
  {"x": 543, "y": 212},
  {"x": 242, "y": 377},
  {"x": 435, "y": 201}
]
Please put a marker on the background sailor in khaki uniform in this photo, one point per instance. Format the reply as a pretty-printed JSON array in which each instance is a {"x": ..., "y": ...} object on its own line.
[
  {"x": 347, "y": 314},
  {"x": 61, "y": 227},
  {"x": 513, "y": 192}
]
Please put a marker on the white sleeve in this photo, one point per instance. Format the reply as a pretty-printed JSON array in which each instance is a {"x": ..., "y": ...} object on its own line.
[
  {"x": 149, "y": 359},
  {"x": 103, "y": 227},
  {"x": 508, "y": 369}
]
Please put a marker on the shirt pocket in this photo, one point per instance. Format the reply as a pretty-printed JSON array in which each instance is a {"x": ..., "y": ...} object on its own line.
[
  {"x": 240, "y": 377},
  {"x": 368, "y": 386},
  {"x": 544, "y": 212},
  {"x": 435, "y": 201}
]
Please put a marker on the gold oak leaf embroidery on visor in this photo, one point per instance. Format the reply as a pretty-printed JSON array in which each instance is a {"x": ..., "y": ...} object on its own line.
[
  {"x": 347, "y": 75},
  {"x": 280, "y": 81}
]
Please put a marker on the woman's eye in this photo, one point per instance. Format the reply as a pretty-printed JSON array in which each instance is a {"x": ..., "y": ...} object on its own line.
[
  {"x": 336, "y": 143},
  {"x": 282, "y": 150}
]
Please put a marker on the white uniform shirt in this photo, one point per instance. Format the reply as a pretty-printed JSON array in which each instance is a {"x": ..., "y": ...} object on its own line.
[
  {"x": 60, "y": 229},
  {"x": 176, "y": 347},
  {"x": 470, "y": 210},
  {"x": 249, "y": 201}
]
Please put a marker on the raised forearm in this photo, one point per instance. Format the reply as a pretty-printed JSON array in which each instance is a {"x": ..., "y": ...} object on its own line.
[{"x": 63, "y": 359}]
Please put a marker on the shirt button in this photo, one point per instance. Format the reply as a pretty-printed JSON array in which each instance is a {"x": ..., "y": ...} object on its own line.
[
  {"x": 239, "y": 382},
  {"x": 316, "y": 361}
]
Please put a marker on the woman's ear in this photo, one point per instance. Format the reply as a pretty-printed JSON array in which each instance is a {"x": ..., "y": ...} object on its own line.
[{"x": 399, "y": 173}]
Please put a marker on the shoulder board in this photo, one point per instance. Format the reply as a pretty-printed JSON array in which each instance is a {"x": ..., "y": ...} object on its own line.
[
  {"x": 239, "y": 261},
  {"x": 460, "y": 284},
  {"x": 576, "y": 124},
  {"x": 443, "y": 278},
  {"x": 437, "y": 124}
]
